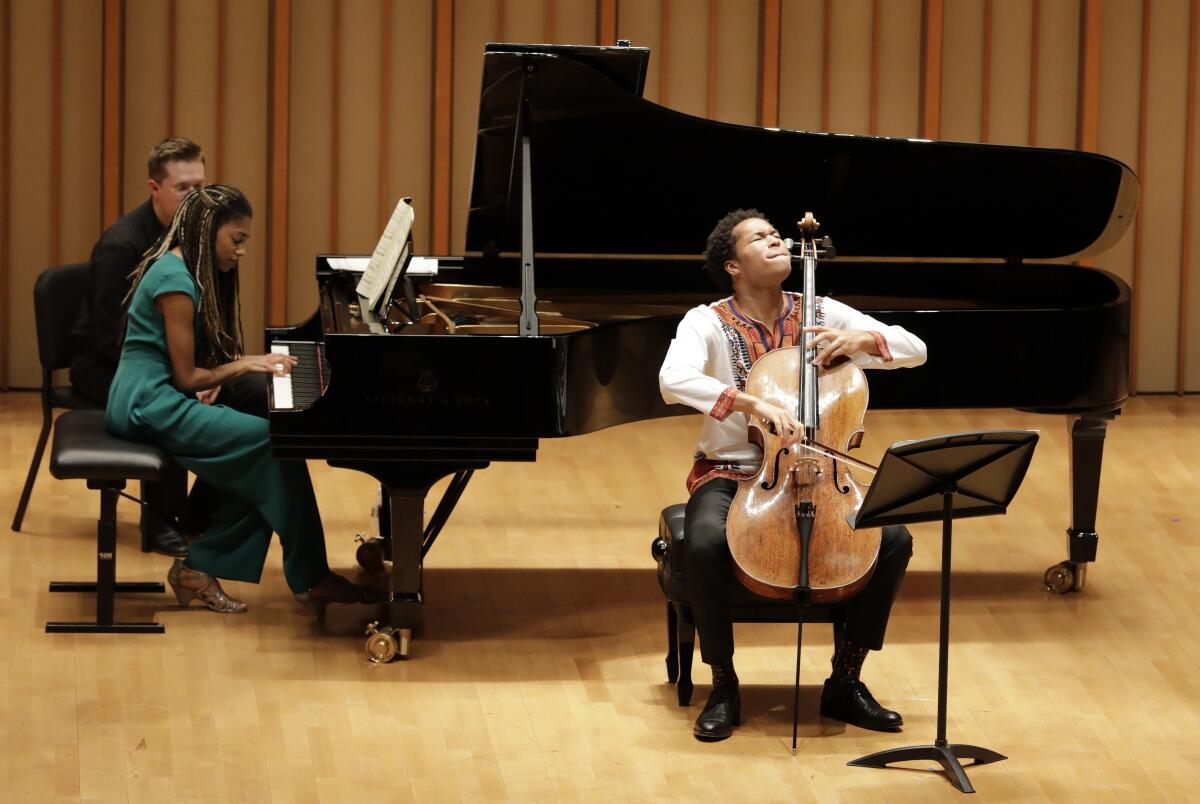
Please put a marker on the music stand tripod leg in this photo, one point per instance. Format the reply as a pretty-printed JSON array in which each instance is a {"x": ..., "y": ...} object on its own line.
[
  {"x": 945, "y": 755},
  {"x": 941, "y": 751},
  {"x": 983, "y": 471}
]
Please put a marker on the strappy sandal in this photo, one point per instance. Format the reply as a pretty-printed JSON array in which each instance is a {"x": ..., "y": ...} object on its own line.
[{"x": 189, "y": 584}]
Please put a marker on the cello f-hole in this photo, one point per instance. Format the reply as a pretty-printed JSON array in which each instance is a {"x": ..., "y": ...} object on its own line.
[
  {"x": 843, "y": 489},
  {"x": 775, "y": 476}
]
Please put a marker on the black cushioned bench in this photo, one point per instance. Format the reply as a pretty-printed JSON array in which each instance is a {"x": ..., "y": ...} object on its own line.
[
  {"x": 668, "y": 550},
  {"x": 84, "y": 450}
]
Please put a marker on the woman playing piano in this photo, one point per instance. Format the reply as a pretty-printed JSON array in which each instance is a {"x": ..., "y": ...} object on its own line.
[
  {"x": 706, "y": 368},
  {"x": 183, "y": 335}
]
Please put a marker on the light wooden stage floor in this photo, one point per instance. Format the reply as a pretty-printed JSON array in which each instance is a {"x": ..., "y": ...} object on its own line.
[{"x": 539, "y": 673}]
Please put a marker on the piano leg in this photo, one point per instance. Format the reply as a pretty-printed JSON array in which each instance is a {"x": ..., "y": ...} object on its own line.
[
  {"x": 1087, "y": 451},
  {"x": 405, "y": 486}
]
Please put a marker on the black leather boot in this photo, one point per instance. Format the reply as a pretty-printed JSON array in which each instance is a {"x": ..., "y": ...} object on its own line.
[
  {"x": 849, "y": 700},
  {"x": 165, "y": 540},
  {"x": 724, "y": 708}
]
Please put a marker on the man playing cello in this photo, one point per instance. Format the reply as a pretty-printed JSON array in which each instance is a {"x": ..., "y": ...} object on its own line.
[{"x": 706, "y": 368}]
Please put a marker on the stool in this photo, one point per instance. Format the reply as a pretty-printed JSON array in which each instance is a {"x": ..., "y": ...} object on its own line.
[
  {"x": 668, "y": 549},
  {"x": 84, "y": 450}
]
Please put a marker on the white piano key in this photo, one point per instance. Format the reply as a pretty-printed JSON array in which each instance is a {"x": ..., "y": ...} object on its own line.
[{"x": 282, "y": 386}]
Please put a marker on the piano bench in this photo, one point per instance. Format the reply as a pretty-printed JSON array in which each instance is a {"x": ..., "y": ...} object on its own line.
[
  {"x": 83, "y": 449},
  {"x": 669, "y": 549}
]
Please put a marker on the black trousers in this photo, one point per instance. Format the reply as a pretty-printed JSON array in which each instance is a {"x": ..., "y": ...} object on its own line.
[
  {"x": 91, "y": 376},
  {"x": 710, "y": 577}
]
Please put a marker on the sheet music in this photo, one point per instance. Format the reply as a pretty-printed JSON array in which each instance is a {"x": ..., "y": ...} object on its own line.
[
  {"x": 417, "y": 266},
  {"x": 390, "y": 252}
]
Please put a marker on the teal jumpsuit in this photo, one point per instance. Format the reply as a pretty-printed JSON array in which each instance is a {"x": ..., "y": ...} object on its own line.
[{"x": 229, "y": 449}]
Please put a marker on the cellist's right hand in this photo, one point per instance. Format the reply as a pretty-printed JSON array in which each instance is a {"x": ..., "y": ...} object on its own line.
[{"x": 772, "y": 417}]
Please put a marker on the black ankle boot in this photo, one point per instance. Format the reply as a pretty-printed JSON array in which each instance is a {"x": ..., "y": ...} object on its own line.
[
  {"x": 849, "y": 700},
  {"x": 724, "y": 708}
]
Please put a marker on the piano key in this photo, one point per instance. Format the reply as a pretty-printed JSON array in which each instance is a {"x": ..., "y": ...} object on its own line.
[{"x": 282, "y": 386}]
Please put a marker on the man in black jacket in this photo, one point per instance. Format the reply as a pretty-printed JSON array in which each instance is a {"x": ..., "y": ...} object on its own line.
[{"x": 176, "y": 167}]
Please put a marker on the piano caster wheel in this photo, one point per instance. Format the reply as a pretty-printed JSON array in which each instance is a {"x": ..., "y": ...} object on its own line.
[
  {"x": 369, "y": 553},
  {"x": 1066, "y": 576},
  {"x": 386, "y": 643}
]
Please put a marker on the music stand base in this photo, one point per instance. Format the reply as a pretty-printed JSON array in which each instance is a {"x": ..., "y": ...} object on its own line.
[{"x": 945, "y": 754}]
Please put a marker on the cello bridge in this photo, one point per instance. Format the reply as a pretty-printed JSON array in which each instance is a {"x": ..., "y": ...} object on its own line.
[{"x": 806, "y": 470}]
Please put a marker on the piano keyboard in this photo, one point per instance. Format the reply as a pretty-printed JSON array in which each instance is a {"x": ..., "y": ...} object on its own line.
[{"x": 308, "y": 380}]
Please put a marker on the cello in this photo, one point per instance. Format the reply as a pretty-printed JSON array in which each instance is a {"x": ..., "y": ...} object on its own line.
[{"x": 787, "y": 525}]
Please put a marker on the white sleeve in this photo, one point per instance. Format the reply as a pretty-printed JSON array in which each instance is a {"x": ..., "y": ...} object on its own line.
[
  {"x": 686, "y": 376},
  {"x": 907, "y": 350}
]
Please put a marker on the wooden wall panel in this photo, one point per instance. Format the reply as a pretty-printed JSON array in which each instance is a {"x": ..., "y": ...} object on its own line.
[
  {"x": 1191, "y": 299},
  {"x": 245, "y": 147},
  {"x": 737, "y": 62},
  {"x": 29, "y": 193},
  {"x": 1157, "y": 344},
  {"x": 687, "y": 56},
  {"x": 309, "y": 185},
  {"x": 850, "y": 67},
  {"x": 195, "y": 80},
  {"x": 6, "y": 195},
  {"x": 800, "y": 67},
  {"x": 575, "y": 20},
  {"x": 359, "y": 130},
  {"x": 377, "y": 160},
  {"x": 80, "y": 193},
  {"x": 1058, "y": 73},
  {"x": 524, "y": 20},
  {"x": 962, "y": 70},
  {"x": 410, "y": 167},
  {"x": 899, "y": 67},
  {"x": 1120, "y": 82},
  {"x": 474, "y": 26},
  {"x": 146, "y": 89},
  {"x": 1008, "y": 112},
  {"x": 641, "y": 24},
  {"x": 1186, "y": 315}
]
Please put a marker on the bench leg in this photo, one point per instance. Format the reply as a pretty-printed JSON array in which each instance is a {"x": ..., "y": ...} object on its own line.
[
  {"x": 106, "y": 584},
  {"x": 686, "y": 646},
  {"x": 27, "y": 491},
  {"x": 672, "y": 646}
]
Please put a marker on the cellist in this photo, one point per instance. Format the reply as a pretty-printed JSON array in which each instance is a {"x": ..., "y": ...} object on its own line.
[{"x": 706, "y": 368}]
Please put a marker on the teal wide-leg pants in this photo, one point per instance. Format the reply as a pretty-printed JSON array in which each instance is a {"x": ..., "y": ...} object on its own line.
[{"x": 231, "y": 451}]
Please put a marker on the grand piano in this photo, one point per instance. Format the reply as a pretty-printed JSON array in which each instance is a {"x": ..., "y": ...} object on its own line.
[{"x": 589, "y": 208}]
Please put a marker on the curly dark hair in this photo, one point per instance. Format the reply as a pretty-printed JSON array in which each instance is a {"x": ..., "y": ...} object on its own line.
[{"x": 720, "y": 247}]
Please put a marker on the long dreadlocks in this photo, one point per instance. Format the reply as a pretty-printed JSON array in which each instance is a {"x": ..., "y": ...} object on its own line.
[{"x": 194, "y": 229}]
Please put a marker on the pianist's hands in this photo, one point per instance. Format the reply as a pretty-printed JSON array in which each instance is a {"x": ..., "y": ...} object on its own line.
[
  {"x": 279, "y": 365},
  {"x": 208, "y": 396}
]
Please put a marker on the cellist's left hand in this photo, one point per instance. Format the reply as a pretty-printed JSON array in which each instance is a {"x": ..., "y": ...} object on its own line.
[{"x": 839, "y": 343}]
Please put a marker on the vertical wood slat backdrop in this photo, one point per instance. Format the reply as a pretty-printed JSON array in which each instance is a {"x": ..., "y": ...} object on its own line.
[
  {"x": 1138, "y": 227},
  {"x": 1188, "y": 167},
  {"x": 56, "y": 87},
  {"x": 367, "y": 100},
  {"x": 112, "y": 117},
  {"x": 6, "y": 327}
]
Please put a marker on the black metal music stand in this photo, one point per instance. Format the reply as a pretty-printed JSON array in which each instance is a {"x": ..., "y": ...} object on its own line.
[{"x": 946, "y": 477}]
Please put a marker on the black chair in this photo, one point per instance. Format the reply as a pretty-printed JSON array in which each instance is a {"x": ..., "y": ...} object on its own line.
[
  {"x": 668, "y": 550},
  {"x": 57, "y": 296},
  {"x": 84, "y": 450}
]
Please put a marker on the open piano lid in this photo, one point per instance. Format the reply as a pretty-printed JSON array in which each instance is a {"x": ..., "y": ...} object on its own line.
[{"x": 616, "y": 174}]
